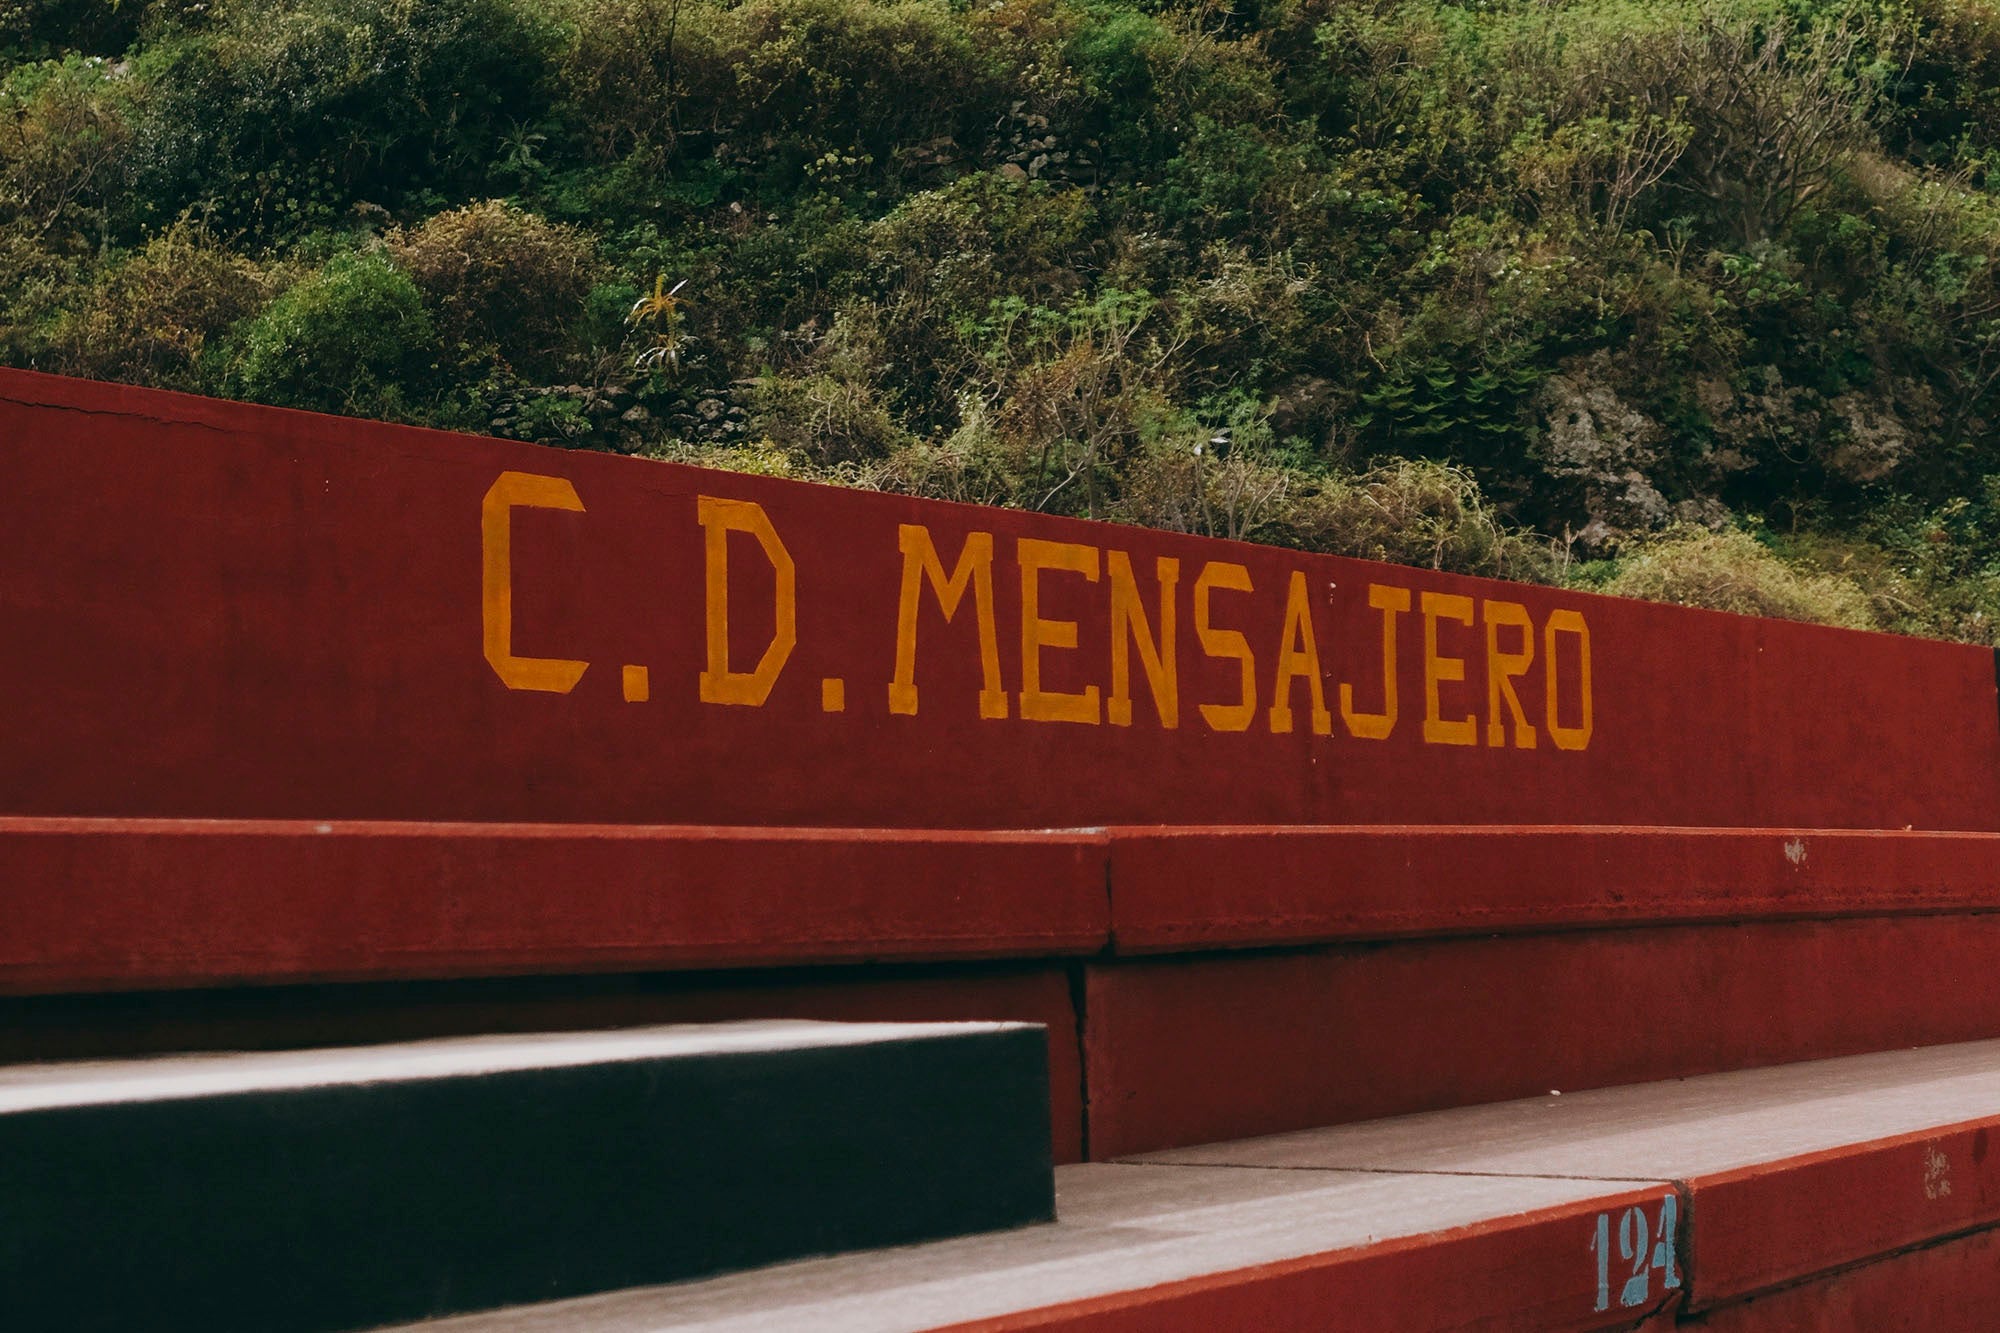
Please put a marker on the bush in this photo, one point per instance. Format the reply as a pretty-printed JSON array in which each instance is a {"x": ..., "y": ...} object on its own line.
[
  {"x": 500, "y": 282},
  {"x": 1417, "y": 512},
  {"x": 831, "y": 88},
  {"x": 1179, "y": 485},
  {"x": 64, "y": 135},
  {"x": 354, "y": 337},
  {"x": 148, "y": 318},
  {"x": 1732, "y": 571},
  {"x": 40, "y": 29},
  {"x": 279, "y": 114},
  {"x": 832, "y": 410}
]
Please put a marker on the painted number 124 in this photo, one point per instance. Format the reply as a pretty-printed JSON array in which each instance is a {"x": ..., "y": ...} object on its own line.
[{"x": 1643, "y": 1245}]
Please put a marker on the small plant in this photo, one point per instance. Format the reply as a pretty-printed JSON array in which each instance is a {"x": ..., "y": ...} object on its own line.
[{"x": 660, "y": 312}]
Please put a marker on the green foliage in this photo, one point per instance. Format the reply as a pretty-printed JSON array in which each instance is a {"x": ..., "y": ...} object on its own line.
[
  {"x": 353, "y": 337},
  {"x": 40, "y": 29},
  {"x": 277, "y": 115},
  {"x": 1413, "y": 279},
  {"x": 64, "y": 134},
  {"x": 148, "y": 318},
  {"x": 1416, "y": 512}
]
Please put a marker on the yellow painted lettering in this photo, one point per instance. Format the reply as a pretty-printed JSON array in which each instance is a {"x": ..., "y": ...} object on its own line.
[
  {"x": 1298, "y": 658},
  {"x": 518, "y": 490},
  {"x": 1220, "y": 643},
  {"x": 1503, "y": 668},
  {"x": 1438, "y": 669},
  {"x": 1038, "y": 704},
  {"x": 974, "y": 569},
  {"x": 1391, "y": 602},
  {"x": 720, "y": 684},
  {"x": 1129, "y": 628},
  {"x": 1571, "y": 622}
]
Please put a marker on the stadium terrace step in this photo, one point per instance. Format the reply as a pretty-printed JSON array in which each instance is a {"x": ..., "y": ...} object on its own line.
[
  {"x": 125, "y": 904},
  {"x": 1802, "y": 1196},
  {"x": 299, "y": 1192},
  {"x": 117, "y": 904}
]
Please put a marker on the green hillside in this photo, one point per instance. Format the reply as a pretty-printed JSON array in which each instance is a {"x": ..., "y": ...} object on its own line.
[{"x": 1692, "y": 300}]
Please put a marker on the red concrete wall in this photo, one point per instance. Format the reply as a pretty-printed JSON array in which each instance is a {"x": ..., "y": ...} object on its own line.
[
  {"x": 1181, "y": 1051},
  {"x": 214, "y": 610}
]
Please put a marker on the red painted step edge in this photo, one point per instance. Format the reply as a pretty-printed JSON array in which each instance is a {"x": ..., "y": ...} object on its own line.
[
  {"x": 1952, "y": 1287},
  {"x": 107, "y": 904},
  {"x": 1769, "y": 1225},
  {"x": 1521, "y": 1272},
  {"x": 119, "y": 904},
  {"x": 1184, "y": 889}
]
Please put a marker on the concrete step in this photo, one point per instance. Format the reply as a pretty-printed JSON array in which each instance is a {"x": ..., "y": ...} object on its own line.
[
  {"x": 1788, "y": 1197},
  {"x": 304, "y": 1191}
]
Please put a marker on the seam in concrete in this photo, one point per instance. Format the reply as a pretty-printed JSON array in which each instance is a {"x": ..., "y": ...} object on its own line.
[
  {"x": 1077, "y": 973},
  {"x": 1404, "y": 1171}
]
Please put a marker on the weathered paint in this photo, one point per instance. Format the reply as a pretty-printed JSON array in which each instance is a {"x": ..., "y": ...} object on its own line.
[{"x": 223, "y": 611}]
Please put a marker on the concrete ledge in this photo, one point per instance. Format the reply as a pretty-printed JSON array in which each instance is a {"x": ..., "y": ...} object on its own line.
[
  {"x": 1144, "y": 1247},
  {"x": 137, "y": 1024},
  {"x": 1797, "y": 1197},
  {"x": 118, "y": 904},
  {"x": 310, "y": 1191},
  {"x": 1788, "y": 1172},
  {"x": 1184, "y": 889}
]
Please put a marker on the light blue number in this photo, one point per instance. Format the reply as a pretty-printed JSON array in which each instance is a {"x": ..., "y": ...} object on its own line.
[
  {"x": 1663, "y": 1251},
  {"x": 1634, "y": 1244},
  {"x": 1600, "y": 1245}
]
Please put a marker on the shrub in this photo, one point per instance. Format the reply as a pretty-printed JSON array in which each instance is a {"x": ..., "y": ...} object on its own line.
[
  {"x": 283, "y": 112},
  {"x": 500, "y": 281},
  {"x": 148, "y": 318},
  {"x": 354, "y": 337},
  {"x": 38, "y": 29},
  {"x": 970, "y": 465},
  {"x": 63, "y": 140},
  {"x": 1181, "y": 484},
  {"x": 779, "y": 86},
  {"x": 832, "y": 410},
  {"x": 1732, "y": 571},
  {"x": 1416, "y": 512}
]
